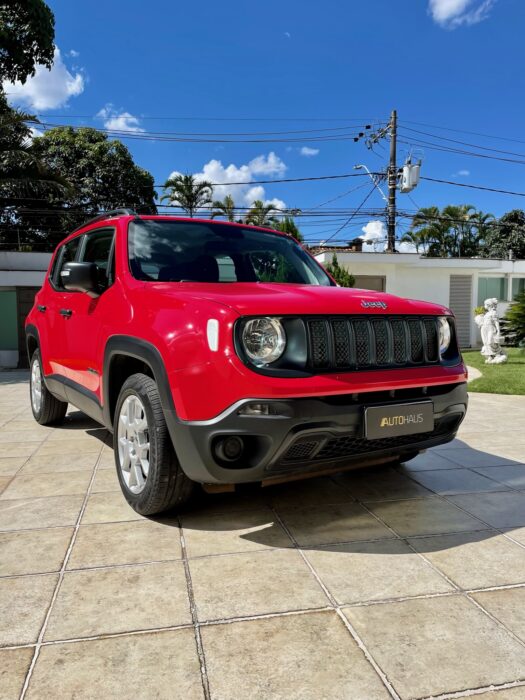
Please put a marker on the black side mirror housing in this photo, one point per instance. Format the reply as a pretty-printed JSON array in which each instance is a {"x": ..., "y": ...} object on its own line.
[{"x": 80, "y": 277}]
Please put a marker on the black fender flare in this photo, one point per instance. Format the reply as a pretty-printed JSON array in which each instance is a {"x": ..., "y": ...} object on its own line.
[
  {"x": 31, "y": 331},
  {"x": 150, "y": 355}
]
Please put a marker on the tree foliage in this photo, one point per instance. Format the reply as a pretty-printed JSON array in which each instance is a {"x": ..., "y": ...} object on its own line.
[
  {"x": 454, "y": 231},
  {"x": 288, "y": 225},
  {"x": 507, "y": 237},
  {"x": 188, "y": 193},
  {"x": 27, "y": 33},
  {"x": 340, "y": 275},
  {"x": 515, "y": 321},
  {"x": 224, "y": 208},
  {"x": 102, "y": 176},
  {"x": 262, "y": 214}
]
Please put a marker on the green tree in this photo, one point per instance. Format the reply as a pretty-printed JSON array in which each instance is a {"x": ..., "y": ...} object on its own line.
[
  {"x": 508, "y": 235},
  {"x": 454, "y": 231},
  {"x": 24, "y": 176},
  {"x": 417, "y": 238},
  {"x": 225, "y": 208},
  {"x": 188, "y": 193},
  {"x": 515, "y": 321},
  {"x": 340, "y": 275},
  {"x": 288, "y": 225},
  {"x": 27, "y": 33},
  {"x": 102, "y": 175},
  {"x": 260, "y": 214}
]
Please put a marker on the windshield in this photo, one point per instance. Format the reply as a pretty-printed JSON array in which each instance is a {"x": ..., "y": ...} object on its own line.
[{"x": 185, "y": 251}]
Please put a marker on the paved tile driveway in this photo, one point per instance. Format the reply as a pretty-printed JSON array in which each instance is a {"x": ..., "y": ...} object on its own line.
[{"x": 383, "y": 584}]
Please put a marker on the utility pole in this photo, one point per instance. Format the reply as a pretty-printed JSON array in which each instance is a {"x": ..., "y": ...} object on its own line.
[{"x": 392, "y": 185}]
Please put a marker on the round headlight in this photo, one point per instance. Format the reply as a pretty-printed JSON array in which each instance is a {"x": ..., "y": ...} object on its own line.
[
  {"x": 264, "y": 340},
  {"x": 444, "y": 335}
]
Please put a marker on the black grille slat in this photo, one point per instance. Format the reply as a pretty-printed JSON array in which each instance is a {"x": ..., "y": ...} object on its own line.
[
  {"x": 300, "y": 451},
  {"x": 362, "y": 341},
  {"x": 431, "y": 334},
  {"x": 399, "y": 340},
  {"x": 319, "y": 344},
  {"x": 382, "y": 345},
  {"x": 342, "y": 343},
  {"x": 416, "y": 340}
]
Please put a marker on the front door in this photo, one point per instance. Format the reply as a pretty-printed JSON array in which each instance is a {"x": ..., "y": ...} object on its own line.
[{"x": 90, "y": 314}]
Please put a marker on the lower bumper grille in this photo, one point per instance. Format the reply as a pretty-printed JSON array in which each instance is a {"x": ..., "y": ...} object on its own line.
[{"x": 309, "y": 449}]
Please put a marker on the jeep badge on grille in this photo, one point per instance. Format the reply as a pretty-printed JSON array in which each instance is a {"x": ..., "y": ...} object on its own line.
[{"x": 374, "y": 304}]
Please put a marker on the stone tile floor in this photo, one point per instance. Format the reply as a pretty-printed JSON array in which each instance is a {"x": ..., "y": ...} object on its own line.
[{"x": 405, "y": 583}]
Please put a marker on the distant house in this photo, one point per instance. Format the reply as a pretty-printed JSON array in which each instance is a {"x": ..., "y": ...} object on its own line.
[
  {"x": 459, "y": 283},
  {"x": 21, "y": 276}
]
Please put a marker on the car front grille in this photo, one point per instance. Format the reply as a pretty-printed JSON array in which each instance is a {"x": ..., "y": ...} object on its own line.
[{"x": 368, "y": 342}]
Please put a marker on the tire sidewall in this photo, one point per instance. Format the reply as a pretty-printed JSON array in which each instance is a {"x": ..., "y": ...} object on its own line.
[{"x": 37, "y": 415}]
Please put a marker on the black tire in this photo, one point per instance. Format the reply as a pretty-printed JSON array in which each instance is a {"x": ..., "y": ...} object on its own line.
[
  {"x": 166, "y": 485},
  {"x": 51, "y": 410}
]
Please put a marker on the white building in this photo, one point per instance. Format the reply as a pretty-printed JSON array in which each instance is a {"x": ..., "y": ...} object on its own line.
[{"x": 459, "y": 283}]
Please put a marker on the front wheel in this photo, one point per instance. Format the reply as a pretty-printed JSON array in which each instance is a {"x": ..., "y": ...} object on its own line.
[
  {"x": 149, "y": 472},
  {"x": 47, "y": 410}
]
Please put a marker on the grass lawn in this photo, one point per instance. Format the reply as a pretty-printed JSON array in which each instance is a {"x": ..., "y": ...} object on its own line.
[{"x": 498, "y": 379}]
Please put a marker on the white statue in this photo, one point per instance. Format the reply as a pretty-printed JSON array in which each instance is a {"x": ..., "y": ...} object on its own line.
[{"x": 490, "y": 333}]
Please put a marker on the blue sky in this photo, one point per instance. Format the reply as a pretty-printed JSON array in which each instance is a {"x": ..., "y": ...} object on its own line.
[{"x": 285, "y": 66}]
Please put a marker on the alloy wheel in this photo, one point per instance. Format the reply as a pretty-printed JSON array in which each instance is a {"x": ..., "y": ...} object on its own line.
[{"x": 133, "y": 444}]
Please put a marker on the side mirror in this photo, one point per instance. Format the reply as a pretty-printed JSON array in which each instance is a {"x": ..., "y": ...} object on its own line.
[{"x": 80, "y": 277}]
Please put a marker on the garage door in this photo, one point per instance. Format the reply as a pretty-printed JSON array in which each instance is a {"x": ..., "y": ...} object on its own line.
[
  {"x": 377, "y": 283},
  {"x": 461, "y": 305}
]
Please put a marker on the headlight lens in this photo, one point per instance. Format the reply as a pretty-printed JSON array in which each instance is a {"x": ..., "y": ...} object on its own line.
[
  {"x": 264, "y": 340},
  {"x": 444, "y": 335}
]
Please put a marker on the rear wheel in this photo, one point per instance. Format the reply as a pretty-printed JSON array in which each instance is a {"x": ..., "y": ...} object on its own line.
[
  {"x": 149, "y": 472},
  {"x": 47, "y": 410}
]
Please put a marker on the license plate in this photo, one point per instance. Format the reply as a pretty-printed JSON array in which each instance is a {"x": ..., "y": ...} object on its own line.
[{"x": 400, "y": 419}]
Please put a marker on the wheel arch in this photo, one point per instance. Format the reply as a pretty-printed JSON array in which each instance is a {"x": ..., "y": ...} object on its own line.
[{"x": 126, "y": 355}]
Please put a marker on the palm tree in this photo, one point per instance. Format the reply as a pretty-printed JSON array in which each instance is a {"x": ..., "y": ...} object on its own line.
[
  {"x": 260, "y": 214},
  {"x": 482, "y": 224},
  {"x": 187, "y": 192},
  {"x": 225, "y": 208},
  {"x": 416, "y": 238},
  {"x": 431, "y": 229},
  {"x": 22, "y": 173}
]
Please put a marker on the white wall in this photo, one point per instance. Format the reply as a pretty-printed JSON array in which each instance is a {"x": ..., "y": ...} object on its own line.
[{"x": 23, "y": 269}]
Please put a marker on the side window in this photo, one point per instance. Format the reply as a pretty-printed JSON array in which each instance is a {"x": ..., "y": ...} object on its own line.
[
  {"x": 99, "y": 249},
  {"x": 67, "y": 253}
]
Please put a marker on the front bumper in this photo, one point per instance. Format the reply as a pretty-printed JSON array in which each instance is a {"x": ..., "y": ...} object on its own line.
[{"x": 311, "y": 434}]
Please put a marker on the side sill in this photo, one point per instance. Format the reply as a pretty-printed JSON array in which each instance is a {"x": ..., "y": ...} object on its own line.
[{"x": 66, "y": 389}]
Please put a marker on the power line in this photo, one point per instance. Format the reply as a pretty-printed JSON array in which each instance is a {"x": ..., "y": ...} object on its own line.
[
  {"x": 352, "y": 215},
  {"x": 474, "y": 187}
]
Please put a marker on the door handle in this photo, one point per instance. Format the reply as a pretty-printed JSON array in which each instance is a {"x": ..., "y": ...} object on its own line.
[
  {"x": 66, "y": 312},
  {"x": 41, "y": 308}
]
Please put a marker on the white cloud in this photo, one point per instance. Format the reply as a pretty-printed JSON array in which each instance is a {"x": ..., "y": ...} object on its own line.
[
  {"x": 73, "y": 53},
  {"x": 461, "y": 173},
  {"x": 288, "y": 35},
  {"x": 451, "y": 14},
  {"x": 308, "y": 152},
  {"x": 245, "y": 194},
  {"x": 119, "y": 121},
  {"x": 47, "y": 89},
  {"x": 374, "y": 239}
]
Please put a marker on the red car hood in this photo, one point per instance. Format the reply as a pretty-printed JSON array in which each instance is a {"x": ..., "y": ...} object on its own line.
[{"x": 255, "y": 299}]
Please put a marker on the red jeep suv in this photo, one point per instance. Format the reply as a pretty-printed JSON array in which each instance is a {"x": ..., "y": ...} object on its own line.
[{"x": 222, "y": 353}]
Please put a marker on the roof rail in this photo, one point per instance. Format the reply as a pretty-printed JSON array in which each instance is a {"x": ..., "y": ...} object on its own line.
[{"x": 107, "y": 215}]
